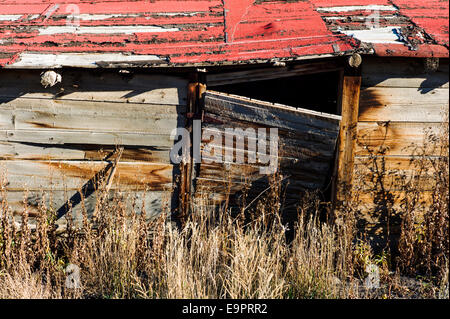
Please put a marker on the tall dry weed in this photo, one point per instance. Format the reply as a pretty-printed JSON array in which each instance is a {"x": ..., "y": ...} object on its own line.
[{"x": 424, "y": 245}]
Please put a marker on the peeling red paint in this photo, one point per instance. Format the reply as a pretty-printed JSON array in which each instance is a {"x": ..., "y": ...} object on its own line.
[
  {"x": 215, "y": 31},
  {"x": 339, "y": 3},
  {"x": 423, "y": 25},
  {"x": 432, "y": 15}
]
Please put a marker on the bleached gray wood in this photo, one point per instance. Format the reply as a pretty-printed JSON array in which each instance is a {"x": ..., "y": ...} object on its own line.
[
  {"x": 307, "y": 141},
  {"x": 61, "y": 175},
  {"x": 153, "y": 203},
  {"x": 27, "y": 151},
  {"x": 93, "y": 86},
  {"x": 62, "y": 118},
  {"x": 54, "y": 136}
]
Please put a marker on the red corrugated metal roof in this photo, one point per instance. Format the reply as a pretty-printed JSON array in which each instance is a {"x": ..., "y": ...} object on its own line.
[{"x": 43, "y": 33}]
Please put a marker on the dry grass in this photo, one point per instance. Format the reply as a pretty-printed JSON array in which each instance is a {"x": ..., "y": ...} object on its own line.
[
  {"x": 212, "y": 256},
  {"x": 123, "y": 256}
]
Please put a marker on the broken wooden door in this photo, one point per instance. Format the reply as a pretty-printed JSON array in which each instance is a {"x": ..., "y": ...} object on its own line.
[{"x": 305, "y": 148}]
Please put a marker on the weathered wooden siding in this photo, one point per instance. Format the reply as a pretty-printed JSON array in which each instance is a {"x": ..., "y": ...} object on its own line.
[
  {"x": 400, "y": 105},
  {"x": 307, "y": 141},
  {"x": 56, "y": 139}
]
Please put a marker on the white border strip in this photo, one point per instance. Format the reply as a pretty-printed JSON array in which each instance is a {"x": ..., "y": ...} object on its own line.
[
  {"x": 361, "y": 18},
  {"x": 129, "y": 29},
  {"x": 357, "y": 8},
  {"x": 376, "y": 35},
  {"x": 85, "y": 60},
  {"x": 10, "y": 17}
]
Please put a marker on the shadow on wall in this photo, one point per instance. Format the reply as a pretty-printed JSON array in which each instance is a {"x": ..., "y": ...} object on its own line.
[
  {"x": 131, "y": 85},
  {"x": 391, "y": 189}
]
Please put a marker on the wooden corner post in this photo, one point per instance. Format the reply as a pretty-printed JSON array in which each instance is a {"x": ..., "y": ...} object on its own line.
[{"x": 351, "y": 86}]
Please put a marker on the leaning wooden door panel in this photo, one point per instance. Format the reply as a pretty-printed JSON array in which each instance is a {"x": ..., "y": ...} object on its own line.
[{"x": 304, "y": 152}]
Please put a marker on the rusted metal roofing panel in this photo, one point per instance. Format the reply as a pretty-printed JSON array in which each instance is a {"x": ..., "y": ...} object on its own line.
[{"x": 82, "y": 33}]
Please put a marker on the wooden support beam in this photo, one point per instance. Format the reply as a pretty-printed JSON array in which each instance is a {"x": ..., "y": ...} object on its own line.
[
  {"x": 351, "y": 84},
  {"x": 196, "y": 91}
]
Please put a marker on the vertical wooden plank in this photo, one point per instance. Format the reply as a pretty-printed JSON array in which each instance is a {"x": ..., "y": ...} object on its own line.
[
  {"x": 196, "y": 90},
  {"x": 185, "y": 166},
  {"x": 347, "y": 137}
]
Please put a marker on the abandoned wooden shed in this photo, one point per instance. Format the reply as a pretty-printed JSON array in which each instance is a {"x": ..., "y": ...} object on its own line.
[{"x": 343, "y": 81}]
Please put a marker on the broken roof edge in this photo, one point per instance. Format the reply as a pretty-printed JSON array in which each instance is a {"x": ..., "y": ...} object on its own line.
[
  {"x": 399, "y": 50},
  {"x": 41, "y": 61}
]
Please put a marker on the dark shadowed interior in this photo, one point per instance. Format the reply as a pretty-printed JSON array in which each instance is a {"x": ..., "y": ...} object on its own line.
[{"x": 318, "y": 92}]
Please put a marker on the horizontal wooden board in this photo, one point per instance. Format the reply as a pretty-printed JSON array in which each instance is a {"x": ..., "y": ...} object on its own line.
[
  {"x": 397, "y": 138},
  {"x": 394, "y": 173},
  {"x": 218, "y": 190},
  {"x": 60, "y": 175},
  {"x": 22, "y": 113},
  {"x": 405, "y": 73},
  {"x": 96, "y": 86},
  {"x": 290, "y": 134},
  {"x": 422, "y": 83},
  {"x": 27, "y": 120},
  {"x": 93, "y": 108},
  {"x": 414, "y": 113},
  {"x": 301, "y": 161},
  {"x": 270, "y": 114},
  {"x": 370, "y": 204},
  {"x": 411, "y": 163},
  {"x": 403, "y": 104},
  {"x": 298, "y": 144},
  {"x": 308, "y": 175},
  {"x": 29, "y": 151},
  {"x": 59, "y": 137}
]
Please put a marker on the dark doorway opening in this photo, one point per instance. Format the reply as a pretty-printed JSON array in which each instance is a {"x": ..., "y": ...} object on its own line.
[{"x": 317, "y": 92}]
